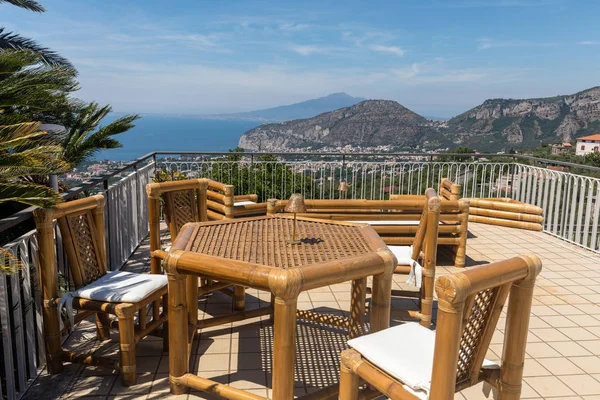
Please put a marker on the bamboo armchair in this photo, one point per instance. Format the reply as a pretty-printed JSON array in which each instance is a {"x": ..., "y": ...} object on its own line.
[
  {"x": 223, "y": 204},
  {"x": 424, "y": 248},
  {"x": 184, "y": 201},
  {"x": 118, "y": 293},
  {"x": 411, "y": 362}
]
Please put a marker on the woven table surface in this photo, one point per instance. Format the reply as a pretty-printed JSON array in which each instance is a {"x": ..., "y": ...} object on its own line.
[{"x": 264, "y": 241}]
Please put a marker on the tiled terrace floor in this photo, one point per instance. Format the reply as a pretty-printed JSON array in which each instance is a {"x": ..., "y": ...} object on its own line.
[{"x": 562, "y": 353}]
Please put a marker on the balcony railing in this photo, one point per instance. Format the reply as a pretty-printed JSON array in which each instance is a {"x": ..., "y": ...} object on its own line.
[{"x": 568, "y": 201}]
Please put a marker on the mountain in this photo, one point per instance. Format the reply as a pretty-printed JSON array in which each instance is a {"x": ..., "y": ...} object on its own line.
[
  {"x": 505, "y": 123},
  {"x": 495, "y": 125},
  {"x": 304, "y": 109},
  {"x": 369, "y": 123}
]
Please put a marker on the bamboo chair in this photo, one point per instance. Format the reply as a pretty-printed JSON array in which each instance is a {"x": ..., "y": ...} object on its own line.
[
  {"x": 184, "y": 201},
  {"x": 119, "y": 293},
  {"x": 412, "y": 362},
  {"x": 423, "y": 249},
  {"x": 223, "y": 204}
]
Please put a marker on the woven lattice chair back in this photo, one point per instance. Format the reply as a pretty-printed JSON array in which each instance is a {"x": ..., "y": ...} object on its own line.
[
  {"x": 82, "y": 233},
  {"x": 469, "y": 307},
  {"x": 481, "y": 315},
  {"x": 181, "y": 207}
]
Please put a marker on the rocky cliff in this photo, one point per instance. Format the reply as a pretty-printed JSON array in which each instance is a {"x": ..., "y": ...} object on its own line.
[
  {"x": 503, "y": 123},
  {"x": 369, "y": 123},
  {"x": 497, "y": 124}
]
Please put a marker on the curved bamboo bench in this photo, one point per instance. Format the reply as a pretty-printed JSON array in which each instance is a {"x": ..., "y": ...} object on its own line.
[
  {"x": 395, "y": 220},
  {"x": 223, "y": 204},
  {"x": 506, "y": 212}
]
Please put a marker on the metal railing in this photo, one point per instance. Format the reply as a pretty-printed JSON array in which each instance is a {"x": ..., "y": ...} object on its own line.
[
  {"x": 568, "y": 200},
  {"x": 21, "y": 329}
]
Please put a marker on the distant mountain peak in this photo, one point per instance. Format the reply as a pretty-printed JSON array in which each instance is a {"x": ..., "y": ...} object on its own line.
[{"x": 304, "y": 109}]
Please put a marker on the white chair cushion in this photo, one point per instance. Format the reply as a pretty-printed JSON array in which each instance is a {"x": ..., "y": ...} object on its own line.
[
  {"x": 122, "y": 287},
  {"x": 243, "y": 203},
  {"x": 403, "y": 254},
  {"x": 405, "y": 352}
]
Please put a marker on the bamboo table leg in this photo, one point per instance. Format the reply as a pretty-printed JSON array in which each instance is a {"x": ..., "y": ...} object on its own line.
[
  {"x": 178, "y": 331},
  {"x": 284, "y": 348},
  {"x": 357, "y": 307},
  {"x": 381, "y": 302}
]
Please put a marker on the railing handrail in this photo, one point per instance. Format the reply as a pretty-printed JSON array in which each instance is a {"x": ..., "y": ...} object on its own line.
[{"x": 25, "y": 214}]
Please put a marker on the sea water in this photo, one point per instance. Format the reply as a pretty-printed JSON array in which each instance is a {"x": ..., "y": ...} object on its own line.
[{"x": 172, "y": 133}]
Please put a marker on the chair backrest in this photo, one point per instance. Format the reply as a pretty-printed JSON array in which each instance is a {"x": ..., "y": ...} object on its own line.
[
  {"x": 184, "y": 201},
  {"x": 81, "y": 224},
  {"x": 469, "y": 306},
  {"x": 427, "y": 230},
  {"x": 220, "y": 200},
  {"x": 449, "y": 190}
]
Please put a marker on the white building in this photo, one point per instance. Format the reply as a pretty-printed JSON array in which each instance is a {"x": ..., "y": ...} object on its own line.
[{"x": 588, "y": 144}]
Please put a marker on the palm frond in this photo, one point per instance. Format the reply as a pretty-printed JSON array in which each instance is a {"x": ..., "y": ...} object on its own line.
[
  {"x": 8, "y": 261},
  {"x": 25, "y": 90},
  {"x": 26, "y": 4},
  {"x": 28, "y": 193},
  {"x": 37, "y": 161},
  {"x": 14, "y": 41},
  {"x": 81, "y": 143},
  {"x": 13, "y": 135}
]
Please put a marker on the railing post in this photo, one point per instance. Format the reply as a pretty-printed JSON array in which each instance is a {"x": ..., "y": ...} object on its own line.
[{"x": 108, "y": 234}]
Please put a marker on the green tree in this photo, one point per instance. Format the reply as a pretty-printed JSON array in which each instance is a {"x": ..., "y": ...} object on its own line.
[
  {"x": 13, "y": 41},
  {"x": 24, "y": 153},
  {"x": 83, "y": 138}
]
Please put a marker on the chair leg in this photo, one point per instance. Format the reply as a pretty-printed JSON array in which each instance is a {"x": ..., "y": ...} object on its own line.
[
  {"x": 239, "y": 298},
  {"x": 348, "y": 383},
  {"x": 103, "y": 326},
  {"x": 165, "y": 326},
  {"x": 127, "y": 342}
]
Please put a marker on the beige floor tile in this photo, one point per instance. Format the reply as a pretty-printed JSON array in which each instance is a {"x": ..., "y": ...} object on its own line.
[
  {"x": 541, "y": 350},
  {"x": 143, "y": 385},
  {"x": 212, "y": 362},
  {"x": 582, "y": 384},
  {"x": 577, "y": 333},
  {"x": 549, "y": 335},
  {"x": 561, "y": 366},
  {"x": 592, "y": 345},
  {"x": 533, "y": 367},
  {"x": 91, "y": 386},
  {"x": 589, "y": 364},
  {"x": 570, "y": 349},
  {"x": 547, "y": 386}
]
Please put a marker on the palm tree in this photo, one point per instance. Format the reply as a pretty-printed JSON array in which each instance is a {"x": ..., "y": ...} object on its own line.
[
  {"x": 26, "y": 4},
  {"x": 31, "y": 91},
  {"x": 13, "y": 41},
  {"x": 82, "y": 137},
  {"x": 25, "y": 152}
]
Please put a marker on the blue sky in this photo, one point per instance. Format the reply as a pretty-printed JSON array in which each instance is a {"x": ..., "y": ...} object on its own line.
[{"x": 438, "y": 58}]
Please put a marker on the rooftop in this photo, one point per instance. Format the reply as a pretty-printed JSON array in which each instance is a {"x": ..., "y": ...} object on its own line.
[
  {"x": 563, "y": 350},
  {"x": 590, "y": 137}
]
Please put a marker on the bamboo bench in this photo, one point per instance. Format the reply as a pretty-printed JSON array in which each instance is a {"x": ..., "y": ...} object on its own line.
[
  {"x": 506, "y": 212},
  {"x": 223, "y": 204},
  {"x": 396, "y": 220}
]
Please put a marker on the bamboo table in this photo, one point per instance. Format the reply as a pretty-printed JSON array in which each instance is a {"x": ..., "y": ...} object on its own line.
[{"x": 255, "y": 252}]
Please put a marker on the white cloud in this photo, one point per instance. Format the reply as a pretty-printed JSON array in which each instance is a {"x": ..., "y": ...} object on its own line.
[
  {"x": 388, "y": 49},
  {"x": 487, "y": 43},
  {"x": 203, "y": 40},
  {"x": 307, "y": 50},
  {"x": 589, "y": 42},
  {"x": 293, "y": 27}
]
